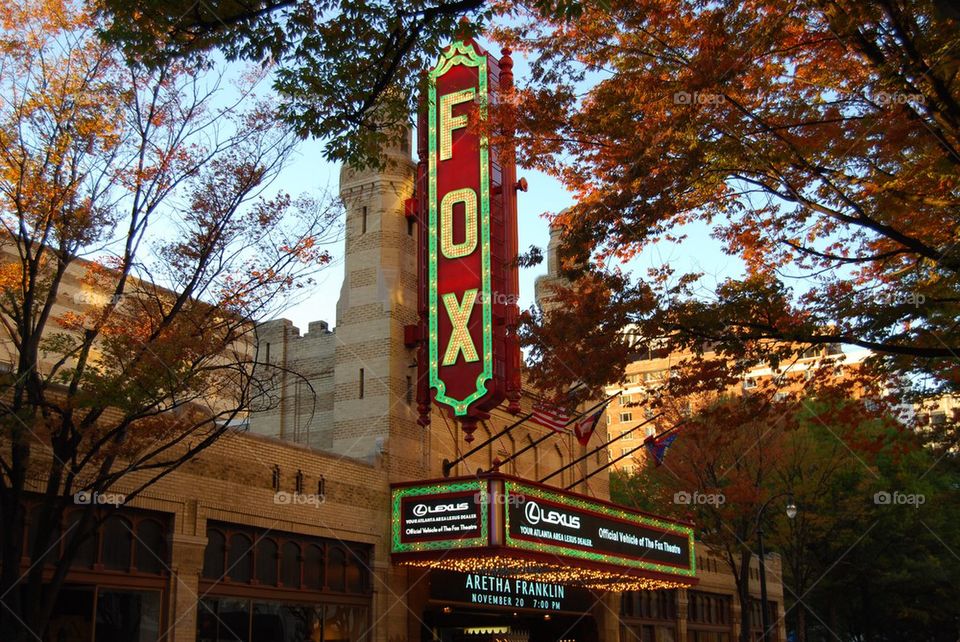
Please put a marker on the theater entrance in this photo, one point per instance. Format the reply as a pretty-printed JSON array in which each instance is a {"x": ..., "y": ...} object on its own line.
[
  {"x": 452, "y": 624},
  {"x": 471, "y": 607}
]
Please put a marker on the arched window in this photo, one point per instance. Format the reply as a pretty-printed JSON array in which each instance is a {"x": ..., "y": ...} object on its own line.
[
  {"x": 290, "y": 565},
  {"x": 151, "y": 549},
  {"x": 313, "y": 567},
  {"x": 356, "y": 572},
  {"x": 87, "y": 553},
  {"x": 214, "y": 554},
  {"x": 336, "y": 569},
  {"x": 239, "y": 558},
  {"x": 267, "y": 562},
  {"x": 117, "y": 543}
]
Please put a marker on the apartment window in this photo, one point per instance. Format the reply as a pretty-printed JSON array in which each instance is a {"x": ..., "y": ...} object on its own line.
[
  {"x": 626, "y": 400},
  {"x": 626, "y": 416},
  {"x": 361, "y": 383},
  {"x": 410, "y": 226},
  {"x": 409, "y": 390},
  {"x": 631, "y": 378},
  {"x": 749, "y": 384},
  {"x": 363, "y": 220}
]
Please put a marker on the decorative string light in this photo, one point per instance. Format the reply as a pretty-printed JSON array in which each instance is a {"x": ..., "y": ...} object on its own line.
[{"x": 552, "y": 573}]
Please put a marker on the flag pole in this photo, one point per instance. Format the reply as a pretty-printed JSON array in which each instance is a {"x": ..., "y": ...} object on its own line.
[
  {"x": 624, "y": 455},
  {"x": 551, "y": 432},
  {"x": 448, "y": 465},
  {"x": 600, "y": 447}
]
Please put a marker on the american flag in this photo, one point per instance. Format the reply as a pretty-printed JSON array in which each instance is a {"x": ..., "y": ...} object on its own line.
[{"x": 551, "y": 417}]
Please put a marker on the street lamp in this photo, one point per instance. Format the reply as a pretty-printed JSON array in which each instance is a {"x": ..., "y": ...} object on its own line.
[{"x": 791, "y": 513}]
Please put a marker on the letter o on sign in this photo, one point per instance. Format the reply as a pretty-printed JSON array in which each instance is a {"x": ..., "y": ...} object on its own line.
[{"x": 450, "y": 249}]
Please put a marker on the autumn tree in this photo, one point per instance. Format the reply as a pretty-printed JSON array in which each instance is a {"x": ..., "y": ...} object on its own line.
[
  {"x": 739, "y": 459},
  {"x": 717, "y": 473},
  {"x": 818, "y": 141},
  {"x": 346, "y": 71},
  {"x": 876, "y": 523},
  {"x": 139, "y": 248}
]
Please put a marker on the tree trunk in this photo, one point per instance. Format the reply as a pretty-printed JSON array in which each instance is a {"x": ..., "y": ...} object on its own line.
[{"x": 801, "y": 623}]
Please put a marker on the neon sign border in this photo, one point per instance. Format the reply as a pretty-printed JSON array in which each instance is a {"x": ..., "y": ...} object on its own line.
[
  {"x": 564, "y": 551},
  {"x": 459, "y": 53},
  {"x": 477, "y": 486}
]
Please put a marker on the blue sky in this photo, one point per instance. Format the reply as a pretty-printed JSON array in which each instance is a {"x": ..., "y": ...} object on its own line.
[{"x": 309, "y": 172}]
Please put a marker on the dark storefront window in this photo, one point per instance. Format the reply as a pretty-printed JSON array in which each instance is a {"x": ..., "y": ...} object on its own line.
[
  {"x": 331, "y": 580},
  {"x": 648, "y": 616},
  {"x": 708, "y": 617},
  {"x": 117, "y": 543},
  {"x": 120, "y": 615},
  {"x": 290, "y": 565},
  {"x": 313, "y": 567},
  {"x": 287, "y": 561},
  {"x": 239, "y": 558},
  {"x": 756, "y": 621},
  {"x": 127, "y": 616},
  {"x": 151, "y": 547},
  {"x": 113, "y": 547},
  {"x": 214, "y": 554},
  {"x": 87, "y": 554},
  {"x": 114, "y": 590},
  {"x": 233, "y": 620}
]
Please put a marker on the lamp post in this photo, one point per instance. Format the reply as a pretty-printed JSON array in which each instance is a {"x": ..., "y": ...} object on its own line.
[{"x": 791, "y": 513}]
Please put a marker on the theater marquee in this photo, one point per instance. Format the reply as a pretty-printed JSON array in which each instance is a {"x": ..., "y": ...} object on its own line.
[{"x": 499, "y": 526}]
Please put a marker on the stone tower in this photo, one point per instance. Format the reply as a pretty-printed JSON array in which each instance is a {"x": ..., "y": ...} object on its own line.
[
  {"x": 374, "y": 374},
  {"x": 543, "y": 286}
]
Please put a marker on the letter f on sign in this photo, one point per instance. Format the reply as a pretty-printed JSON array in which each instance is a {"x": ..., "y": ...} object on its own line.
[
  {"x": 460, "y": 339},
  {"x": 449, "y": 122}
]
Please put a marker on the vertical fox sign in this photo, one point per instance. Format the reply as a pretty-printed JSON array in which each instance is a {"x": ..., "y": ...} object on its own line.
[{"x": 469, "y": 356}]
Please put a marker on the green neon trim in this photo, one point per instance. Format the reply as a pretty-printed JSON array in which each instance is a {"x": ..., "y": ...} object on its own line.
[
  {"x": 399, "y": 494},
  {"x": 574, "y": 502},
  {"x": 459, "y": 53}
]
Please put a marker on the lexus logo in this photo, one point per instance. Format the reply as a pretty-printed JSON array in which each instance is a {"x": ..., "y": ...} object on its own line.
[
  {"x": 419, "y": 510},
  {"x": 535, "y": 515}
]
